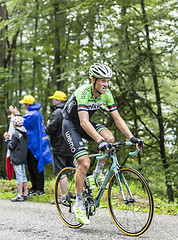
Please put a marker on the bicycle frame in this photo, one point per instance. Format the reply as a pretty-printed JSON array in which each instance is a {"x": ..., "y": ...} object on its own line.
[
  {"x": 114, "y": 167},
  {"x": 122, "y": 184}
]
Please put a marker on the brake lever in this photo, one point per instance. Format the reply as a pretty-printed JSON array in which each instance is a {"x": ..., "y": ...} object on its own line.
[{"x": 138, "y": 150}]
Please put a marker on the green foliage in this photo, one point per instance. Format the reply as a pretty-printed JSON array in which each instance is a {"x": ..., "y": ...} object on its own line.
[{"x": 4, "y": 73}]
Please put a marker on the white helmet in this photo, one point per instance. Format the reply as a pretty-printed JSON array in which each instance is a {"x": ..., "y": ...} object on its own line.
[
  {"x": 18, "y": 120},
  {"x": 100, "y": 71}
]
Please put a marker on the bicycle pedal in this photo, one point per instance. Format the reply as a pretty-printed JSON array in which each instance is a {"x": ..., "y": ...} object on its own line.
[
  {"x": 92, "y": 210},
  {"x": 65, "y": 203}
]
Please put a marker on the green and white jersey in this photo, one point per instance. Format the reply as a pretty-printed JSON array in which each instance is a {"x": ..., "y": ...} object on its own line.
[{"x": 83, "y": 100}]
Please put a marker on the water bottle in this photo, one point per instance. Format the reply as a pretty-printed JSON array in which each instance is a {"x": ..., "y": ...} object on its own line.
[{"x": 91, "y": 182}]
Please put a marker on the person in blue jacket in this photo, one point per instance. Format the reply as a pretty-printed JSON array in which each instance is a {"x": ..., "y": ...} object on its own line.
[{"x": 38, "y": 144}]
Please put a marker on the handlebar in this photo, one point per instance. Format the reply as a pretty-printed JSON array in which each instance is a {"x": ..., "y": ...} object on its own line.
[
  {"x": 132, "y": 153},
  {"x": 131, "y": 143},
  {"x": 100, "y": 156}
]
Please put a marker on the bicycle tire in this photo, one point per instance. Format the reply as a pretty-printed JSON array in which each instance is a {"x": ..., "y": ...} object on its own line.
[
  {"x": 132, "y": 218},
  {"x": 65, "y": 207}
]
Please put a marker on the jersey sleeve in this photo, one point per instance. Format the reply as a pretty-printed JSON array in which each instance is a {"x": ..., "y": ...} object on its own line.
[
  {"x": 110, "y": 101},
  {"x": 82, "y": 99}
]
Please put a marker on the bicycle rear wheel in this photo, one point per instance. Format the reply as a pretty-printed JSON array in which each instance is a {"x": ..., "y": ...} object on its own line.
[
  {"x": 65, "y": 206},
  {"x": 134, "y": 215}
]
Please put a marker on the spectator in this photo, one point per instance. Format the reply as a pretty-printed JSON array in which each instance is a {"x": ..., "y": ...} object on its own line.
[
  {"x": 18, "y": 153},
  {"x": 62, "y": 156},
  {"x": 38, "y": 144},
  {"x": 11, "y": 130}
]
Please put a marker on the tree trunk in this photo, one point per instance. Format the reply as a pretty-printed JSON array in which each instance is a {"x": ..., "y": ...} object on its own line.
[
  {"x": 3, "y": 14},
  {"x": 57, "y": 46},
  {"x": 20, "y": 69},
  {"x": 159, "y": 109},
  {"x": 34, "y": 49}
]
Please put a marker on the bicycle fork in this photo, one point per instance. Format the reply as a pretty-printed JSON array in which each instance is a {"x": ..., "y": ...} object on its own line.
[{"x": 126, "y": 201}]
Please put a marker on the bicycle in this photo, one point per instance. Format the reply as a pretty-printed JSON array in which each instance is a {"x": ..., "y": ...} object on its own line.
[{"x": 129, "y": 197}]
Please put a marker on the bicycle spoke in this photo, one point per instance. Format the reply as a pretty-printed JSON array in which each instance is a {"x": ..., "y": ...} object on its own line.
[
  {"x": 132, "y": 216},
  {"x": 65, "y": 206}
]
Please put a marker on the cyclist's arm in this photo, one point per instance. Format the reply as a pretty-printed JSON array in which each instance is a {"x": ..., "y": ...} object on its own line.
[
  {"x": 120, "y": 123},
  {"x": 88, "y": 127}
]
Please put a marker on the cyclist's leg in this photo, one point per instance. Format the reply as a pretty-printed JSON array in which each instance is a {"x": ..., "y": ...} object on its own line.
[
  {"x": 83, "y": 166},
  {"x": 78, "y": 208},
  {"x": 72, "y": 136},
  {"x": 108, "y": 136}
]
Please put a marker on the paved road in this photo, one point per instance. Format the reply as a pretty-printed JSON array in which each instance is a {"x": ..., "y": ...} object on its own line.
[{"x": 37, "y": 221}]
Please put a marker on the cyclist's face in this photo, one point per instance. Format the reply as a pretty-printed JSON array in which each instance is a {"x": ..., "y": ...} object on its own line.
[{"x": 102, "y": 85}]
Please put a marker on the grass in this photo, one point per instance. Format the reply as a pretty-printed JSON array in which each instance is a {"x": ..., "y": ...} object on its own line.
[
  {"x": 8, "y": 187},
  {"x": 8, "y": 190},
  {"x": 163, "y": 207}
]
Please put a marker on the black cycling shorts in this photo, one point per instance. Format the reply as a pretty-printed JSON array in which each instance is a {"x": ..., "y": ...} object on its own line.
[{"x": 73, "y": 134}]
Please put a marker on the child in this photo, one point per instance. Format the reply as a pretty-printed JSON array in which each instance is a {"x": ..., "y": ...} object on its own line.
[
  {"x": 18, "y": 147},
  {"x": 9, "y": 166}
]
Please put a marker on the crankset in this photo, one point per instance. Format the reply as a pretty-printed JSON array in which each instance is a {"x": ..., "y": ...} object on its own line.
[{"x": 90, "y": 206}]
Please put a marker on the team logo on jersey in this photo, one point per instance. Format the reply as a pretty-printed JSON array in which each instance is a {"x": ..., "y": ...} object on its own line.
[
  {"x": 83, "y": 94},
  {"x": 94, "y": 106},
  {"x": 70, "y": 142}
]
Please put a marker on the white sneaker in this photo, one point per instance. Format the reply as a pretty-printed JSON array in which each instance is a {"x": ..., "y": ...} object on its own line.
[{"x": 80, "y": 213}]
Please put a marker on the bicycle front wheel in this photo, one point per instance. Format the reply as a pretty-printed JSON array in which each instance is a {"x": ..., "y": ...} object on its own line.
[
  {"x": 65, "y": 205},
  {"x": 133, "y": 214}
]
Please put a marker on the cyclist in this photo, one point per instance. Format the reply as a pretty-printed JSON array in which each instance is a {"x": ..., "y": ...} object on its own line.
[{"x": 77, "y": 124}]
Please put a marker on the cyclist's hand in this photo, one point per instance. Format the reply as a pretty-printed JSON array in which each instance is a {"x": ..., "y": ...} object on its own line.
[
  {"x": 139, "y": 142},
  {"x": 103, "y": 145}
]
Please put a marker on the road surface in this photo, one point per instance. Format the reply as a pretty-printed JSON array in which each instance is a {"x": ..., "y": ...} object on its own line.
[{"x": 33, "y": 221}]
